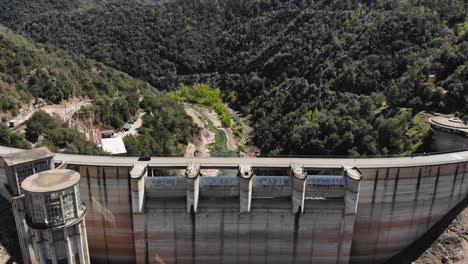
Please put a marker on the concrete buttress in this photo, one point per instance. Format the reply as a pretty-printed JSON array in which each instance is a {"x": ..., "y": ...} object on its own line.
[
  {"x": 245, "y": 188},
  {"x": 193, "y": 187},
  {"x": 299, "y": 175}
]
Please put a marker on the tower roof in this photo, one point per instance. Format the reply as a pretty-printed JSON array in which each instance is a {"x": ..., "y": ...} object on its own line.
[
  {"x": 50, "y": 181},
  {"x": 26, "y": 156}
]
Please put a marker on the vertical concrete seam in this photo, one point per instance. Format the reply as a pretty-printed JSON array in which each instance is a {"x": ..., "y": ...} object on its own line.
[
  {"x": 415, "y": 201},
  {"x": 455, "y": 176},
  {"x": 462, "y": 181},
  {"x": 297, "y": 217},
  {"x": 434, "y": 194},
  {"x": 194, "y": 234}
]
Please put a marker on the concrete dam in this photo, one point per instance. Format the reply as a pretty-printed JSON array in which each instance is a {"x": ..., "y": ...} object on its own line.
[{"x": 262, "y": 210}]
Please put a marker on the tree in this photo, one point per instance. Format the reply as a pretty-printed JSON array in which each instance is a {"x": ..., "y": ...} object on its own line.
[
  {"x": 8, "y": 138},
  {"x": 39, "y": 124}
]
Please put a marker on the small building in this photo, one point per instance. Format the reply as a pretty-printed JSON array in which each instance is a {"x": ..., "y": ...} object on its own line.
[
  {"x": 431, "y": 78},
  {"x": 127, "y": 126},
  {"x": 113, "y": 145},
  {"x": 17, "y": 166},
  {"x": 107, "y": 133},
  {"x": 440, "y": 91},
  {"x": 12, "y": 123}
]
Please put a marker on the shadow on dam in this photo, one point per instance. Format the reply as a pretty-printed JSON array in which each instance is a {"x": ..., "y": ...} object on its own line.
[
  {"x": 418, "y": 247},
  {"x": 8, "y": 236},
  {"x": 10, "y": 243}
]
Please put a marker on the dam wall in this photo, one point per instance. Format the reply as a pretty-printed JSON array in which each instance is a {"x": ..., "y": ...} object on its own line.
[
  {"x": 398, "y": 205},
  {"x": 219, "y": 233},
  {"x": 314, "y": 210},
  {"x": 106, "y": 192}
]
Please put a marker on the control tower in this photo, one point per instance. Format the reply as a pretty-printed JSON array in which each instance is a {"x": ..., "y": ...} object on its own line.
[
  {"x": 448, "y": 133},
  {"x": 55, "y": 214},
  {"x": 14, "y": 168}
]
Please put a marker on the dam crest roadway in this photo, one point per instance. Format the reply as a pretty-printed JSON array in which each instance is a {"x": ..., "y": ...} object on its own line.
[{"x": 276, "y": 210}]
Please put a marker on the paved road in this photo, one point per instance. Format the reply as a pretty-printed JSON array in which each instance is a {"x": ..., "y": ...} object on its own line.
[{"x": 260, "y": 162}]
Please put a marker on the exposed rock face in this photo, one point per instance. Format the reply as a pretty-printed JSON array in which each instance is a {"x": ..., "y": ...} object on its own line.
[{"x": 452, "y": 244}]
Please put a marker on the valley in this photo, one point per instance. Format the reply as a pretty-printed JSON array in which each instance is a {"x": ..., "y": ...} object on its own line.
[{"x": 173, "y": 81}]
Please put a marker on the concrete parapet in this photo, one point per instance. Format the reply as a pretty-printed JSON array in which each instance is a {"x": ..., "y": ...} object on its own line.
[
  {"x": 193, "y": 187},
  {"x": 299, "y": 174},
  {"x": 245, "y": 188}
]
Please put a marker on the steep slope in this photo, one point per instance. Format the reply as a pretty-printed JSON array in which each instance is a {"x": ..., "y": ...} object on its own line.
[
  {"x": 451, "y": 246},
  {"x": 29, "y": 71}
]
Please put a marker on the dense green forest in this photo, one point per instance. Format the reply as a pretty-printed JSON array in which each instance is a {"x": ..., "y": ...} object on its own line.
[
  {"x": 166, "y": 128},
  {"x": 315, "y": 77},
  {"x": 8, "y": 138},
  {"x": 29, "y": 71}
]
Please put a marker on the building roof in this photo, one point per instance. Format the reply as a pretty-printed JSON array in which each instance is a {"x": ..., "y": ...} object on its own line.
[
  {"x": 113, "y": 145},
  {"x": 127, "y": 126},
  {"x": 449, "y": 122},
  {"x": 27, "y": 156},
  {"x": 50, "y": 181},
  {"x": 107, "y": 131}
]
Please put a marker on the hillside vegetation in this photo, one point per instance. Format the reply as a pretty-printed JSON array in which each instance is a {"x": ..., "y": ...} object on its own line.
[
  {"x": 29, "y": 71},
  {"x": 316, "y": 77},
  {"x": 58, "y": 137},
  {"x": 202, "y": 94}
]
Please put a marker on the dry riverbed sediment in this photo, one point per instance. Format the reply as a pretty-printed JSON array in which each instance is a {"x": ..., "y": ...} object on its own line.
[
  {"x": 199, "y": 146},
  {"x": 451, "y": 246}
]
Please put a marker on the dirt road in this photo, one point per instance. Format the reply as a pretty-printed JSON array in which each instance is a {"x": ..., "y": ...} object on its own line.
[{"x": 66, "y": 109}]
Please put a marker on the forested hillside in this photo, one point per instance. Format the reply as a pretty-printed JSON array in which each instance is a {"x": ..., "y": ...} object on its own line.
[
  {"x": 316, "y": 77},
  {"x": 29, "y": 71}
]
